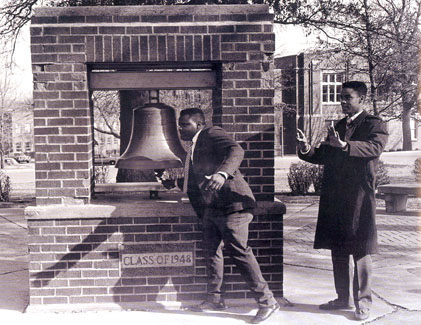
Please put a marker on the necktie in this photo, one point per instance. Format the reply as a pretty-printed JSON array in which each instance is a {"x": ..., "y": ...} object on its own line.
[
  {"x": 187, "y": 167},
  {"x": 348, "y": 122}
]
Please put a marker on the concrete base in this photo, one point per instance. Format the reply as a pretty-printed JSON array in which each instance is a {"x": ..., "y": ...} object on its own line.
[
  {"x": 82, "y": 254},
  {"x": 150, "y": 306},
  {"x": 396, "y": 202},
  {"x": 240, "y": 312}
]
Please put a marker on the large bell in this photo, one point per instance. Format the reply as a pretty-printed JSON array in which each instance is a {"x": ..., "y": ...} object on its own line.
[{"x": 154, "y": 142}]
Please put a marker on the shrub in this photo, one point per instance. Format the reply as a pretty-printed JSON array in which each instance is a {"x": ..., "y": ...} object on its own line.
[
  {"x": 417, "y": 169},
  {"x": 5, "y": 187},
  {"x": 382, "y": 176},
  {"x": 300, "y": 177},
  {"x": 316, "y": 177},
  {"x": 101, "y": 174}
]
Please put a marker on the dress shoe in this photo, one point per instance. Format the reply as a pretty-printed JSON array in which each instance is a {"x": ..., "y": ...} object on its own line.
[
  {"x": 362, "y": 314},
  {"x": 264, "y": 313},
  {"x": 335, "y": 304},
  {"x": 209, "y": 306}
]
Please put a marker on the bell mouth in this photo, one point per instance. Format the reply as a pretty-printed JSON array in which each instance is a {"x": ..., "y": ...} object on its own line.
[{"x": 146, "y": 163}]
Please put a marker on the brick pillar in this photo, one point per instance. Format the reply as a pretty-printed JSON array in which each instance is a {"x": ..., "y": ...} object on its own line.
[{"x": 62, "y": 121}]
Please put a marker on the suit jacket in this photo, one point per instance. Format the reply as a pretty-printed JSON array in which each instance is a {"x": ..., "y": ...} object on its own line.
[
  {"x": 346, "y": 219},
  {"x": 216, "y": 151}
]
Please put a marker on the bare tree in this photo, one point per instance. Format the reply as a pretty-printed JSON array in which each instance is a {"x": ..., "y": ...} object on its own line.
[
  {"x": 382, "y": 34},
  {"x": 7, "y": 100},
  {"x": 106, "y": 112}
]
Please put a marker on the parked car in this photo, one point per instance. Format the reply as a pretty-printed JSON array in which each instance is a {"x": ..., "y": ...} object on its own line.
[
  {"x": 8, "y": 161},
  {"x": 103, "y": 160},
  {"x": 22, "y": 159}
]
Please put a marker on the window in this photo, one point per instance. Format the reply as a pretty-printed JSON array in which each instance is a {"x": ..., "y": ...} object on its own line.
[
  {"x": 28, "y": 146},
  {"x": 17, "y": 129},
  {"x": 414, "y": 129},
  {"x": 18, "y": 147},
  {"x": 27, "y": 128},
  {"x": 331, "y": 87}
]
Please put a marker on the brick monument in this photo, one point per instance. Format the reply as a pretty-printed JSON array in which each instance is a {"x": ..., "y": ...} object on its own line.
[{"x": 86, "y": 250}]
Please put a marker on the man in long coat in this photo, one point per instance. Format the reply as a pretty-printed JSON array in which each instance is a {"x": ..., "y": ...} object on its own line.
[
  {"x": 346, "y": 221},
  {"x": 224, "y": 201}
]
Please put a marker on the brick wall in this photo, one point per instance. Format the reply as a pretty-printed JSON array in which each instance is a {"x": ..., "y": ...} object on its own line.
[
  {"x": 65, "y": 42},
  {"x": 77, "y": 260}
]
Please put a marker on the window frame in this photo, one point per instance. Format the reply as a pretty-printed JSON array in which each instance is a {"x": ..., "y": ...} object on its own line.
[
  {"x": 328, "y": 83},
  {"x": 18, "y": 147}
]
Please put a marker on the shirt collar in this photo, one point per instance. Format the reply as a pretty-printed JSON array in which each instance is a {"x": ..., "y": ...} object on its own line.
[
  {"x": 196, "y": 136},
  {"x": 353, "y": 117}
]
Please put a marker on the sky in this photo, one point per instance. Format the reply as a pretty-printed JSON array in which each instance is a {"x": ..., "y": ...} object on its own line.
[
  {"x": 22, "y": 72},
  {"x": 289, "y": 40}
]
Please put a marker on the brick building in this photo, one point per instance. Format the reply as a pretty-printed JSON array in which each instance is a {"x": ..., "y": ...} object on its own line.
[
  {"x": 307, "y": 97},
  {"x": 22, "y": 130}
]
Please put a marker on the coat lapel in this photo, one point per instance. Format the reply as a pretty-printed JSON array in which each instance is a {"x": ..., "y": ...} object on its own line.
[{"x": 351, "y": 129}]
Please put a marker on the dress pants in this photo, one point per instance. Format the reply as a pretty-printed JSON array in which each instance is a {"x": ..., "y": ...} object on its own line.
[
  {"x": 232, "y": 231},
  {"x": 362, "y": 278}
]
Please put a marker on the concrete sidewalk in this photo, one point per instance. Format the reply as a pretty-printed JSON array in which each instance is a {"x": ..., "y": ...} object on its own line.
[{"x": 308, "y": 279}]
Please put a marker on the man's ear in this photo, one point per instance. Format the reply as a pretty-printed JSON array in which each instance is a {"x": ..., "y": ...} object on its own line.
[
  {"x": 200, "y": 125},
  {"x": 362, "y": 98}
]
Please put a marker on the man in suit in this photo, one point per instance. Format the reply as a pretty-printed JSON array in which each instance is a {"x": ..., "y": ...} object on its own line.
[
  {"x": 346, "y": 221},
  {"x": 224, "y": 201}
]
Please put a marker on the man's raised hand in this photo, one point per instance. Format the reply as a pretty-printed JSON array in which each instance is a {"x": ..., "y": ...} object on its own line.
[
  {"x": 334, "y": 140},
  {"x": 302, "y": 142}
]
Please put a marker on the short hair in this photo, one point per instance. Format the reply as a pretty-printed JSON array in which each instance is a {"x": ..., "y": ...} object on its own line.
[
  {"x": 359, "y": 86},
  {"x": 194, "y": 113}
]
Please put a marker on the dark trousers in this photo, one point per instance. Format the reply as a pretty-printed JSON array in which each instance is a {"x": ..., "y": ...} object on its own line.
[
  {"x": 361, "y": 282},
  {"x": 232, "y": 232}
]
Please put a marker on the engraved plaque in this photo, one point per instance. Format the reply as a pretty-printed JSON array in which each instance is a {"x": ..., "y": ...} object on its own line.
[{"x": 157, "y": 259}]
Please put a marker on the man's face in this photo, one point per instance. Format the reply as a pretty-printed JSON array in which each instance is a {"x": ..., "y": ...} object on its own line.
[
  {"x": 188, "y": 127},
  {"x": 351, "y": 101}
]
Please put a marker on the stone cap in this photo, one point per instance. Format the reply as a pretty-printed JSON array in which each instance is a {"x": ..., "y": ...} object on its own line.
[
  {"x": 270, "y": 208},
  {"x": 152, "y": 10},
  {"x": 139, "y": 205},
  {"x": 408, "y": 189}
]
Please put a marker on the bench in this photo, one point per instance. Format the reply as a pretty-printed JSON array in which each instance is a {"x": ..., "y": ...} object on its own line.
[{"x": 396, "y": 195}]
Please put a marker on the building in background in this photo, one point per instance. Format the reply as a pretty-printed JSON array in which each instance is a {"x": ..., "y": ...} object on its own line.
[
  {"x": 106, "y": 145},
  {"x": 22, "y": 127},
  {"x": 307, "y": 92}
]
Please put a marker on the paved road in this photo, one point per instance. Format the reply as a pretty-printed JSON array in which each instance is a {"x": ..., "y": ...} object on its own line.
[
  {"x": 400, "y": 157},
  {"x": 22, "y": 178}
]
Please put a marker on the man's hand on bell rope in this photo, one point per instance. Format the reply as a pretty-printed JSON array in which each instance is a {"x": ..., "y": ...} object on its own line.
[{"x": 215, "y": 182}]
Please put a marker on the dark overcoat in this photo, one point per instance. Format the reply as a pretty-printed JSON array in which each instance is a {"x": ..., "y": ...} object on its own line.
[
  {"x": 216, "y": 151},
  {"x": 346, "y": 220}
]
